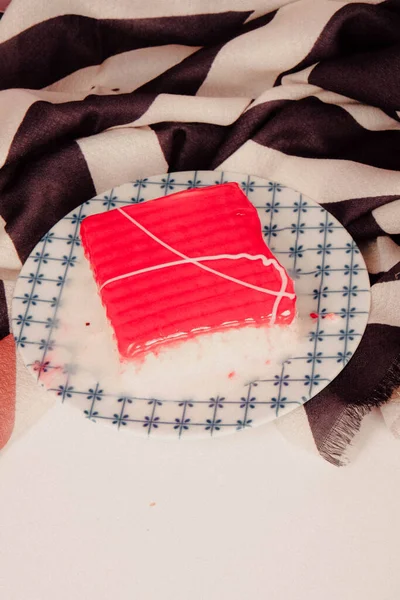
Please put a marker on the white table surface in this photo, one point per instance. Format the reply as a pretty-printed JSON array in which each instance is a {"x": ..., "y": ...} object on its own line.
[{"x": 246, "y": 516}]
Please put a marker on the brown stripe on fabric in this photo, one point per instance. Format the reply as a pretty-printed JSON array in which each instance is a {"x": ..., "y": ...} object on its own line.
[
  {"x": 189, "y": 146},
  {"x": 186, "y": 77},
  {"x": 4, "y": 323},
  {"x": 382, "y": 277},
  {"x": 333, "y": 418},
  {"x": 391, "y": 113},
  {"x": 392, "y": 5},
  {"x": 46, "y": 133},
  {"x": 395, "y": 237},
  {"x": 365, "y": 228},
  {"x": 380, "y": 347},
  {"x": 392, "y": 275},
  {"x": 311, "y": 128},
  {"x": 354, "y": 29},
  {"x": 35, "y": 193},
  {"x": 59, "y": 123},
  {"x": 334, "y": 425},
  {"x": 258, "y": 22},
  {"x": 356, "y": 215},
  {"x": 52, "y": 49},
  {"x": 334, "y": 422},
  {"x": 64, "y": 122},
  {"x": 246, "y": 127},
  {"x": 349, "y": 210},
  {"x": 375, "y": 277},
  {"x": 372, "y": 77},
  {"x": 46, "y": 126}
]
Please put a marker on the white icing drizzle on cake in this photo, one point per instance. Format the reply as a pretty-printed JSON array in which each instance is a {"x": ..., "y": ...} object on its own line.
[{"x": 198, "y": 261}]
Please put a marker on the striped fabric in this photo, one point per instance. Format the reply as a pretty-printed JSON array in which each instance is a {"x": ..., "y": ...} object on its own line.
[{"x": 97, "y": 93}]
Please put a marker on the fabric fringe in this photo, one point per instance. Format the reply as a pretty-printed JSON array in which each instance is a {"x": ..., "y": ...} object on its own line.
[
  {"x": 389, "y": 383},
  {"x": 336, "y": 444}
]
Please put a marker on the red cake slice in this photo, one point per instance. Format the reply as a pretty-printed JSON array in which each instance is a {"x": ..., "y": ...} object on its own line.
[{"x": 186, "y": 264}]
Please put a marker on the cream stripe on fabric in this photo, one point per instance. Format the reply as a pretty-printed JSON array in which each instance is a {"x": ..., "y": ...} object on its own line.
[
  {"x": 324, "y": 180},
  {"x": 126, "y": 71},
  {"x": 290, "y": 91},
  {"x": 258, "y": 57},
  {"x": 193, "y": 109},
  {"x": 388, "y": 216},
  {"x": 385, "y": 302},
  {"x": 9, "y": 259},
  {"x": 296, "y": 429},
  {"x": 120, "y": 155},
  {"x": 381, "y": 254},
  {"x": 14, "y": 104},
  {"x": 369, "y": 117},
  {"x": 24, "y": 13}
]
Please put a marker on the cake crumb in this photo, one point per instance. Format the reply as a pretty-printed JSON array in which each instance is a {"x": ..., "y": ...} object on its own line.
[{"x": 331, "y": 316}]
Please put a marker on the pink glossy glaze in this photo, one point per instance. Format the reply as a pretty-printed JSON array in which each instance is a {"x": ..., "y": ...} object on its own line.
[{"x": 166, "y": 305}]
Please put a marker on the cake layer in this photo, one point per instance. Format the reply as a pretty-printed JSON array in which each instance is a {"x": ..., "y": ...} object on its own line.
[{"x": 185, "y": 264}]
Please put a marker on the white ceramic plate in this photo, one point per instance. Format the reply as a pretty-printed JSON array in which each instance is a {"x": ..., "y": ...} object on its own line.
[{"x": 330, "y": 278}]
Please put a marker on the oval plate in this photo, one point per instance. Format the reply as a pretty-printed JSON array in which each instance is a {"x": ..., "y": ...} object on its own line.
[{"x": 330, "y": 278}]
